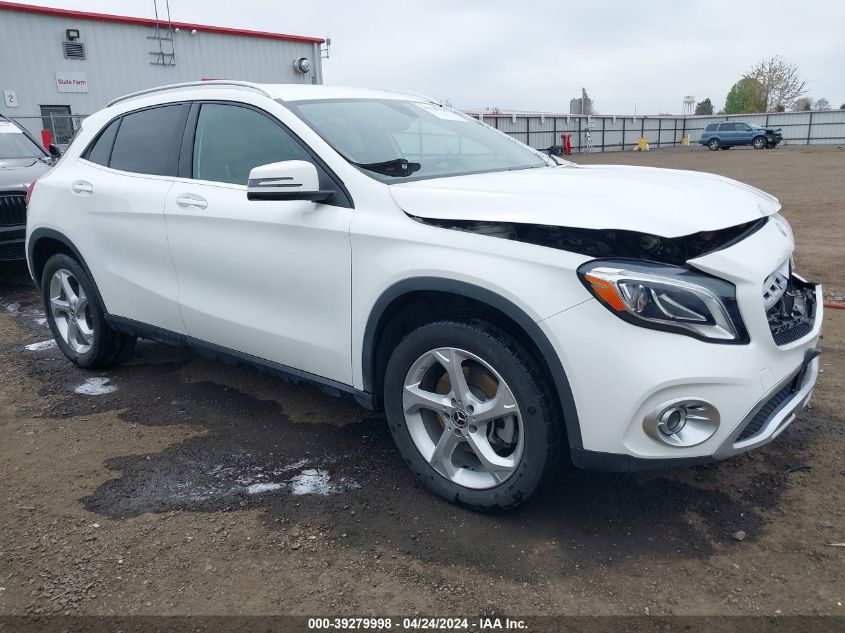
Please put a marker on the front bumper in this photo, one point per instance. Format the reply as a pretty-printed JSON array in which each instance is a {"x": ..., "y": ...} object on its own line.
[
  {"x": 12, "y": 240},
  {"x": 620, "y": 373}
]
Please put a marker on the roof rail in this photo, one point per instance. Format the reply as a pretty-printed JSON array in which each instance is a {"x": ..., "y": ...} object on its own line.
[{"x": 192, "y": 84}]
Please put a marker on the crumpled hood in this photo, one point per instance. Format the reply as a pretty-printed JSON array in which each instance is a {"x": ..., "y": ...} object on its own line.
[
  {"x": 16, "y": 173},
  {"x": 665, "y": 202}
]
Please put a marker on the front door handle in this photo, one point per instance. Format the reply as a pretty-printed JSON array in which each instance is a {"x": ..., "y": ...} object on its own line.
[
  {"x": 82, "y": 187},
  {"x": 188, "y": 200}
]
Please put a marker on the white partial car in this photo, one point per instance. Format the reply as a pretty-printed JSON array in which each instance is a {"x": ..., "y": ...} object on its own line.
[{"x": 506, "y": 311}]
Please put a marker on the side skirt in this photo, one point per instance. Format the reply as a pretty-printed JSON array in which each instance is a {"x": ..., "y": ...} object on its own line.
[{"x": 233, "y": 357}]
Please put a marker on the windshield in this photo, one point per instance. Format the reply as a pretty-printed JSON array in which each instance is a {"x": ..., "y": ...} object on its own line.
[
  {"x": 397, "y": 141},
  {"x": 15, "y": 144}
]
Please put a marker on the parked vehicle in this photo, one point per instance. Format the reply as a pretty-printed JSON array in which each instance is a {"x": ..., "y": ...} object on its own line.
[
  {"x": 504, "y": 309},
  {"x": 22, "y": 160},
  {"x": 735, "y": 133}
]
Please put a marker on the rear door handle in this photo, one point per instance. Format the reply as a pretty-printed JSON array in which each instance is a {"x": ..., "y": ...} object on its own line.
[
  {"x": 82, "y": 187},
  {"x": 189, "y": 200}
]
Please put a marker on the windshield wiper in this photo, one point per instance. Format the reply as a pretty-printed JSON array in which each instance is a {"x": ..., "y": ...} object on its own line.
[{"x": 397, "y": 168}]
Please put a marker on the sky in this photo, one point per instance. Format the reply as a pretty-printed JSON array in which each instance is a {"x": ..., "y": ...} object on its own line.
[{"x": 534, "y": 55}]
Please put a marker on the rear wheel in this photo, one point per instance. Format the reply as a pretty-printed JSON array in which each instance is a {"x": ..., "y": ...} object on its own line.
[
  {"x": 714, "y": 144},
  {"x": 470, "y": 413},
  {"x": 77, "y": 318},
  {"x": 759, "y": 142}
]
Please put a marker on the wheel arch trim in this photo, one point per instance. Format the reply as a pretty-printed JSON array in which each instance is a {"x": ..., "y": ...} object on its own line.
[
  {"x": 42, "y": 233},
  {"x": 508, "y": 308}
]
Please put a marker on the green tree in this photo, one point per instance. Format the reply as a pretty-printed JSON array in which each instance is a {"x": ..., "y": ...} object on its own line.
[
  {"x": 745, "y": 96},
  {"x": 802, "y": 104},
  {"x": 704, "y": 107}
]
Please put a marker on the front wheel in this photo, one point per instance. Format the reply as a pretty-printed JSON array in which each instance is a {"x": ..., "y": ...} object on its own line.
[
  {"x": 759, "y": 142},
  {"x": 471, "y": 414},
  {"x": 714, "y": 144}
]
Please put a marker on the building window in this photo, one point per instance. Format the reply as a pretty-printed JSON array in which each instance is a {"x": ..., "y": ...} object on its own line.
[{"x": 58, "y": 119}]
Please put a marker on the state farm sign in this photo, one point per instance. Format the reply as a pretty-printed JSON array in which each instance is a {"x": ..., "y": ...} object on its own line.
[{"x": 71, "y": 82}]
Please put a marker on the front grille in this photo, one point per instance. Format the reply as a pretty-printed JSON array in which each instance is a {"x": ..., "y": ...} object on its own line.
[
  {"x": 11, "y": 251},
  {"x": 12, "y": 209},
  {"x": 792, "y": 316},
  {"x": 759, "y": 421}
]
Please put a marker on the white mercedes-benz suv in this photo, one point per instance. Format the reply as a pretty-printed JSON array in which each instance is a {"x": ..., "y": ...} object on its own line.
[{"x": 504, "y": 309}]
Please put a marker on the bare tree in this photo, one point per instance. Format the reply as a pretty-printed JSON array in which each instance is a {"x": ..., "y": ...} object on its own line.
[
  {"x": 822, "y": 104},
  {"x": 781, "y": 81}
]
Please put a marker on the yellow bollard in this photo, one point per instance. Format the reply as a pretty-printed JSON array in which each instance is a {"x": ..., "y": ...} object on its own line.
[
  {"x": 685, "y": 140},
  {"x": 642, "y": 144}
]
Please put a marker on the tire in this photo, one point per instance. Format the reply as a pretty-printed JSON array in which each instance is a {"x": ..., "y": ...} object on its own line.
[
  {"x": 76, "y": 316},
  {"x": 759, "y": 142},
  {"x": 714, "y": 144},
  {"x": 525, "y": 442}
]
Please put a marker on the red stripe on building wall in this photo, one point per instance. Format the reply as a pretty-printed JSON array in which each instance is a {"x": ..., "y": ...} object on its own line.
[{"x": 123, "y": 19}]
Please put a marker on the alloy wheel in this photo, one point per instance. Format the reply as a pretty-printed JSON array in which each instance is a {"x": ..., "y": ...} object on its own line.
[
  {"x": 463, "y": 418},
  {"x": 71, "y": 311}
]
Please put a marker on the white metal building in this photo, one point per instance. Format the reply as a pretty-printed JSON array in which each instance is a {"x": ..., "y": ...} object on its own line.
[{"x": 57, "y": 66}]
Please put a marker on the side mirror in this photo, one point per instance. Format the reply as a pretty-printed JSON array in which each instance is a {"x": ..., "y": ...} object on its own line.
[
  {"x": 287, "y": 180},
  {"x": 54, "y": 150}
]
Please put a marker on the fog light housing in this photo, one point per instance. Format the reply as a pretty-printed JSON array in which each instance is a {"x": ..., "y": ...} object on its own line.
[{"x": 682, "y": 423}]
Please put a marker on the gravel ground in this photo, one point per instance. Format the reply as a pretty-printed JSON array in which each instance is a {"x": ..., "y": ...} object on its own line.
[{"x": 174, "y": 485}]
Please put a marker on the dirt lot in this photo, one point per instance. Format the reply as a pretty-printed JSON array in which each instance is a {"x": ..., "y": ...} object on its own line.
[{"x": 159, "y": 498}]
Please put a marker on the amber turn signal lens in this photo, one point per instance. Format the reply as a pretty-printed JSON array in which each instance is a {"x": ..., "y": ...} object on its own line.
[{"x": 607, "y": 291}]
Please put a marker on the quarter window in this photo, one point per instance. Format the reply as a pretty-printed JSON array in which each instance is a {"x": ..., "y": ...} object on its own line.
[
  {"x": 231, "y": 140},
  {"x": 148, "y": 141},
  {"x": 100, "y": 152}
]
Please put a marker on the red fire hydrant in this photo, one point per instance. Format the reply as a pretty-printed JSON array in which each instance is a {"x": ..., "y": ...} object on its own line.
[{"x": 567, "y": 143}]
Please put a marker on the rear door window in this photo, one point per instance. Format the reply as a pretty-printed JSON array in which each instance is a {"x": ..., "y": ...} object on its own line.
[{"x": 148, "y": 141}]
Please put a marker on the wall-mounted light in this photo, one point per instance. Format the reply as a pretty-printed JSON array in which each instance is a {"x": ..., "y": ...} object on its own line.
[
  {"x": 193, "y": 31},
  {"x": 72, "y": 34}
]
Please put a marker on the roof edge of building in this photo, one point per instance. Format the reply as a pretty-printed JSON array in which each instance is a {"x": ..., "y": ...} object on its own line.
[{"x": 122, "y": 19}]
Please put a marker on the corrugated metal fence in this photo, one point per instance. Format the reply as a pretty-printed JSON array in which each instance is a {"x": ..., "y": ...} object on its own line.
[
  {"x": 607, "y": 132},
  {"x": 621, "y": 132}
]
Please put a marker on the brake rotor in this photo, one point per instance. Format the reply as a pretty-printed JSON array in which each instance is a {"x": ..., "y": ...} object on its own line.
[{"x": 481, "y": 384}]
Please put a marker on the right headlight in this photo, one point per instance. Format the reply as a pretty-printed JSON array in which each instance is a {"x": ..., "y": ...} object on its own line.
[{"x": 667, "y": 298}]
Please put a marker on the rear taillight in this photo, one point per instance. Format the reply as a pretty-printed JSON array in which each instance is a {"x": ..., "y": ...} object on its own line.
[{"x": 29, "y": 191}]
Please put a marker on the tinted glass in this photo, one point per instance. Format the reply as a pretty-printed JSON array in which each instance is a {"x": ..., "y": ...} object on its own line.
[
  {"x": 231, "y": 140},
  {"x": 145, "y": 141},
  {"x": 711, "y": 127},
  {"x": 101, "y": 150},
  {"x": 442, "y": 141},
  {"x": 728, "y": 127}
]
